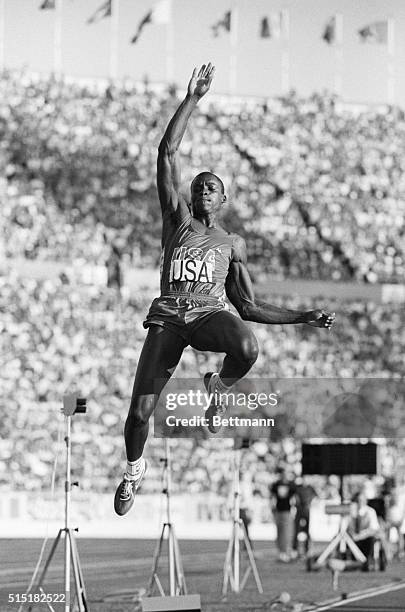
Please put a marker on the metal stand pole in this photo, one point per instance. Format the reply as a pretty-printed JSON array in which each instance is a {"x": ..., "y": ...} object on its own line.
[
  {"x": 67, "y": 514},
  {"x": 71, "y": 552},
  {"x": 177, "y": 583},
  {"x": 232, "y": 559}
]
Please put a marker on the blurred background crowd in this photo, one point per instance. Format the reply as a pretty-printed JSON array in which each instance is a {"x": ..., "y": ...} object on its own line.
[{"x": 316, "y": 189}]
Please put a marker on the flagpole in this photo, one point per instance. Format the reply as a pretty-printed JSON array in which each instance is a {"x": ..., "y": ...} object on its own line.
[
  {"x": 390, "y": 61},
  {"x": 57, "y": 39},
  {"x": 114, "y": 36},
  {"x": 233, "y": 41},
  {"x": 170, "y": 49},
  {"x": 2, "y": 34},
  {"x": 285, "y": 55},
  {"x": 338, "y": 85}
]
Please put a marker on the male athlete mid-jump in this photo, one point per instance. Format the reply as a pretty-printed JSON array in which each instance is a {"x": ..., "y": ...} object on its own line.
[{"x": 201, "y": 265}]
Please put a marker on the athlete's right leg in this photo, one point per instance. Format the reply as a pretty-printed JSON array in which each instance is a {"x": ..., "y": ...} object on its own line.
[{"x": 159, "y": 357}]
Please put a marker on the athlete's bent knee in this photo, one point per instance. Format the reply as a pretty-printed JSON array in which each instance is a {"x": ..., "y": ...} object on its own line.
[
  {"x": 249, "y": 349},
  {"x": 141, "y": 411}
]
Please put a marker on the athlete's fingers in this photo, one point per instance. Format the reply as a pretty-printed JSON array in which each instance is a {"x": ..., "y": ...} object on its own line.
[
  {"x": 201, "y": 71},
  {"x": 211, "y": 75},
  {"x": 194, "y": 73}
]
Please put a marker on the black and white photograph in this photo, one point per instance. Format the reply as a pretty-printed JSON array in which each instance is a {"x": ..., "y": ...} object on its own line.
[{"x": 202, "y": 305}]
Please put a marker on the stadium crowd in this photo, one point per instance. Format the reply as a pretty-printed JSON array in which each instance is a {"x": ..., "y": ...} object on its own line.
[
  {"x": 57, "y": 336},
  {"x": 316, "y": 189}
]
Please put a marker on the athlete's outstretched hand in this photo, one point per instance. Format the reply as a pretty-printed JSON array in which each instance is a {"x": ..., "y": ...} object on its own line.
[
  {"x": 200, "y": 81},
  {"x": 320, "y": 318}
]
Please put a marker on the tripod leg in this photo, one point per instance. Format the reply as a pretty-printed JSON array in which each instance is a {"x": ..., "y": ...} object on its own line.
[
  {"x": 77, "y": 573},
  {"x": 358, "y": 555},
  {"x": 172, "y": 576},
  {"x": 49, "y": 559},
  {"x": 329, "y": 549},
  {"x": 252, "y": 561},
  {"x": 46, "y": 566},
  {"x": 181, "y": 581},
  {"x": 228, "y": 565},
  {"x": 236, "y": 558},
  {"x": 245, "y": 577},
  {"x": 155, "y": 565},
  {"x": 47, "y": 603}
]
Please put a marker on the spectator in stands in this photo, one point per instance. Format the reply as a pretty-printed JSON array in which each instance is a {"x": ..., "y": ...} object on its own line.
[
  {"x": 363, "y": 527},
  {"x": 396, "y": 520},
  {"x": 114, "y": 272},
  {"x": 304, "y": 494},
  {"x": 282, "y": 495}
]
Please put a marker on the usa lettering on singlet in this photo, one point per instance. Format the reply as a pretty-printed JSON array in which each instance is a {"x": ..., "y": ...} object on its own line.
[
  {"x": 192, "y": 264},
  {"x": 195, "y": 262}
]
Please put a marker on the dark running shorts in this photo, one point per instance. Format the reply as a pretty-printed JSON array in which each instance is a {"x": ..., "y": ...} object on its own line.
[{"x": 183, "y": 313}]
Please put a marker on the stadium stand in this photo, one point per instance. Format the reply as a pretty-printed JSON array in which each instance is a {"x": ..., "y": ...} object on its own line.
[
  {"x": 78, "y": 176},
  {"x": 82, "y": 158}
]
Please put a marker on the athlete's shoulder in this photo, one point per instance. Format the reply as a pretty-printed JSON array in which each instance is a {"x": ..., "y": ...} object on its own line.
[
  {"x": 238, "y": 248},
  {"x": 173, "y": 220},
  {"x": 234, "y": 237}
]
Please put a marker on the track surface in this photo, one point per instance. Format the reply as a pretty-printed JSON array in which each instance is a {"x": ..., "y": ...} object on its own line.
[{"x": 116, "y": 571}]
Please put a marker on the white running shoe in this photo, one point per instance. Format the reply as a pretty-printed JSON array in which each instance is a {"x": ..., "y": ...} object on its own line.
[{"x": 125, "y": 493}]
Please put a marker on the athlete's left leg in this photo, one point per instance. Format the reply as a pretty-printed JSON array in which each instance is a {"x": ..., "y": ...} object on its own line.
[{"x": 226, "y": 333}]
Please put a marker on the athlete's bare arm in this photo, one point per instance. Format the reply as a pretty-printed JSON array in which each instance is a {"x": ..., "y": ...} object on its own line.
[
  {"x": 239, "y": 290},
  {"x": 168, "y": 165}
]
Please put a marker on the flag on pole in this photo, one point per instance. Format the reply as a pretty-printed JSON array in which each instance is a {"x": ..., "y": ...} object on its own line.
[
  {"x": 265, "y": 28},
  {"x": 222, "y": 24},
  {"x": 103, "y": 11},
  {"x": 329, "y": 33},
  {"x": 47, "y": 4},
  {"x": 376, "y": 32},
  {"x": 160, "y": 14},
  {"x": 273, "y": 26},
  {"x": 332, "y": 35}
]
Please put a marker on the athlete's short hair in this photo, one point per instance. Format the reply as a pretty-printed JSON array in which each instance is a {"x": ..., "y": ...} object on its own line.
[{"x": 212, "y": 174}]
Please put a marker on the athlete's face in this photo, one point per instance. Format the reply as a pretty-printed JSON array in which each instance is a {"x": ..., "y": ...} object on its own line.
[{"x": 207, "y": 194}]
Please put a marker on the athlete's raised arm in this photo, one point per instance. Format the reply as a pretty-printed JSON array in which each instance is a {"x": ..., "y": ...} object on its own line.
[
  {"x": 168, "y": 165},
  {"x": 239, "y": 290}
]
